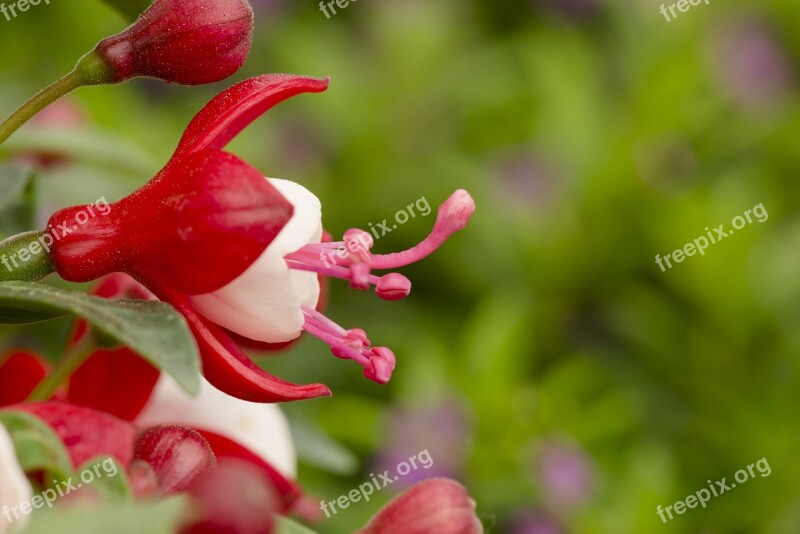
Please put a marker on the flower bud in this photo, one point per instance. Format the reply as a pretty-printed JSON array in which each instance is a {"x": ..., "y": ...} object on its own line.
[
  {"x": 86, "y": 433},
  {"x": 232, "y": 497},
  {"x": 436, "y": 505},
  {"x": 190, "y": 42},
  {"x": 178, "y": 456}
]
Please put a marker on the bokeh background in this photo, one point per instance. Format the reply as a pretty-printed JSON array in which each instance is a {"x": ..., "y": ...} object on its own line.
[{"x": 543, "y": 358}]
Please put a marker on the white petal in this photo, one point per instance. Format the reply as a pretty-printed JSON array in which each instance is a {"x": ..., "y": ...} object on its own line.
[
  {"x": 264, "y": 302},
  {"x": 262, "y": 428},
  {"x": 14, "y": 487}
]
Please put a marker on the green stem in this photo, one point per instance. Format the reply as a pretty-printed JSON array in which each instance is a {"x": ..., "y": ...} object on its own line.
[
  {"x": 36, "y": 104},
  {"x": 25, "y": 257},
  {"x": 67, "y": 365}
]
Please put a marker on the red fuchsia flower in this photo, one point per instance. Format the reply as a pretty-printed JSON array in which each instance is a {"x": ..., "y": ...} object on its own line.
[
  {"x": 190, "y": 42},
  {"x": 439, "y": 505},
  {"x": 165, "y": 459},
  {"x": 257, "y": 240}
]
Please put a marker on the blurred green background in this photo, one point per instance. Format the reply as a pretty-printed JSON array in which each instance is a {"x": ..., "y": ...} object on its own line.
[{"x": 543, "y": 358}]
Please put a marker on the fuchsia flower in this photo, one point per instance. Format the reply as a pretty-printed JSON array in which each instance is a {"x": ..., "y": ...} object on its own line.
[
  {"x": 176, "y": 440},
  {"x": 230, "y": 249},
  {"x": 229, "y": 455},
  {"x": 189, "y": 42}
]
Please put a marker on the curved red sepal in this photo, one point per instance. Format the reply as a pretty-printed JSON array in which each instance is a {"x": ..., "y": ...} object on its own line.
[
  {"x": 232, "y": 110},
  {"x": 20, "y": 373},
  {"x": 86, "y": 433},
  {"x": 229, "y": 369}
]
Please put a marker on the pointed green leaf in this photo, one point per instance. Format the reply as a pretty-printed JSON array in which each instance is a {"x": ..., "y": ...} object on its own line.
[
  {"x": 154, "y": 330},
  {"x": 158, "y": 517}
]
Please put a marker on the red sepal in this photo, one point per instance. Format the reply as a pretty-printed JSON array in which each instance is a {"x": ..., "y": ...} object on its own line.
[
  {"x": 195, "y": 227},
  {"x": 232, "y": 110},
  {"x": 229, "y": 369},
  {"x": 20, "y": 373}
]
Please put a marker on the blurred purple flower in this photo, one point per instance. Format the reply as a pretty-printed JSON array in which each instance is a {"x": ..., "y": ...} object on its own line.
[
  {"x": 752, "y": 65},
  {"x": 443, "y": 429},
  {"x": 565, "y": 474},
  {"x": 535, "y": 523},
  {"x": 527, "y": 178}
]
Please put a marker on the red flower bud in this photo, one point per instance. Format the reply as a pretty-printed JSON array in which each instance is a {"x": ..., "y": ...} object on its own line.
[
  {"x": 177, "y": 455},
  {"x": 189, "y": 42},
  {"x": 436, "y": 505},
  {"x": 233, "y": 497},
  {"x": 86, "y": 433}
]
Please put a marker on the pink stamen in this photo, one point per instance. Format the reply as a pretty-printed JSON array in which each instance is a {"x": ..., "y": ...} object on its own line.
[
  {"x": 351, "y": 259},
  {"x": 378, "y": 362}
]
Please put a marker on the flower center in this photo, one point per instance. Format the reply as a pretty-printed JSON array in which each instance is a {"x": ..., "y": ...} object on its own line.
[{"x": 351, "y": 259}]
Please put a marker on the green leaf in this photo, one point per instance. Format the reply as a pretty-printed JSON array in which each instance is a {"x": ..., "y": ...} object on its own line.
[
  {"x": 130, "y": 9},
  {"x": 287, "y": 526},
  {"x": 111, "y": 482},
  {"x": 154, "y": 330},
  {"x": 159, "y": 517},
  {"x": 36, "y": 444}
]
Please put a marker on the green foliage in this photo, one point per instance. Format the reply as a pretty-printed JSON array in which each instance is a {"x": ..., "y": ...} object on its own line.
[
  {"x": 161, "y": 517},
  {"x": 154, "y": 330}
]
